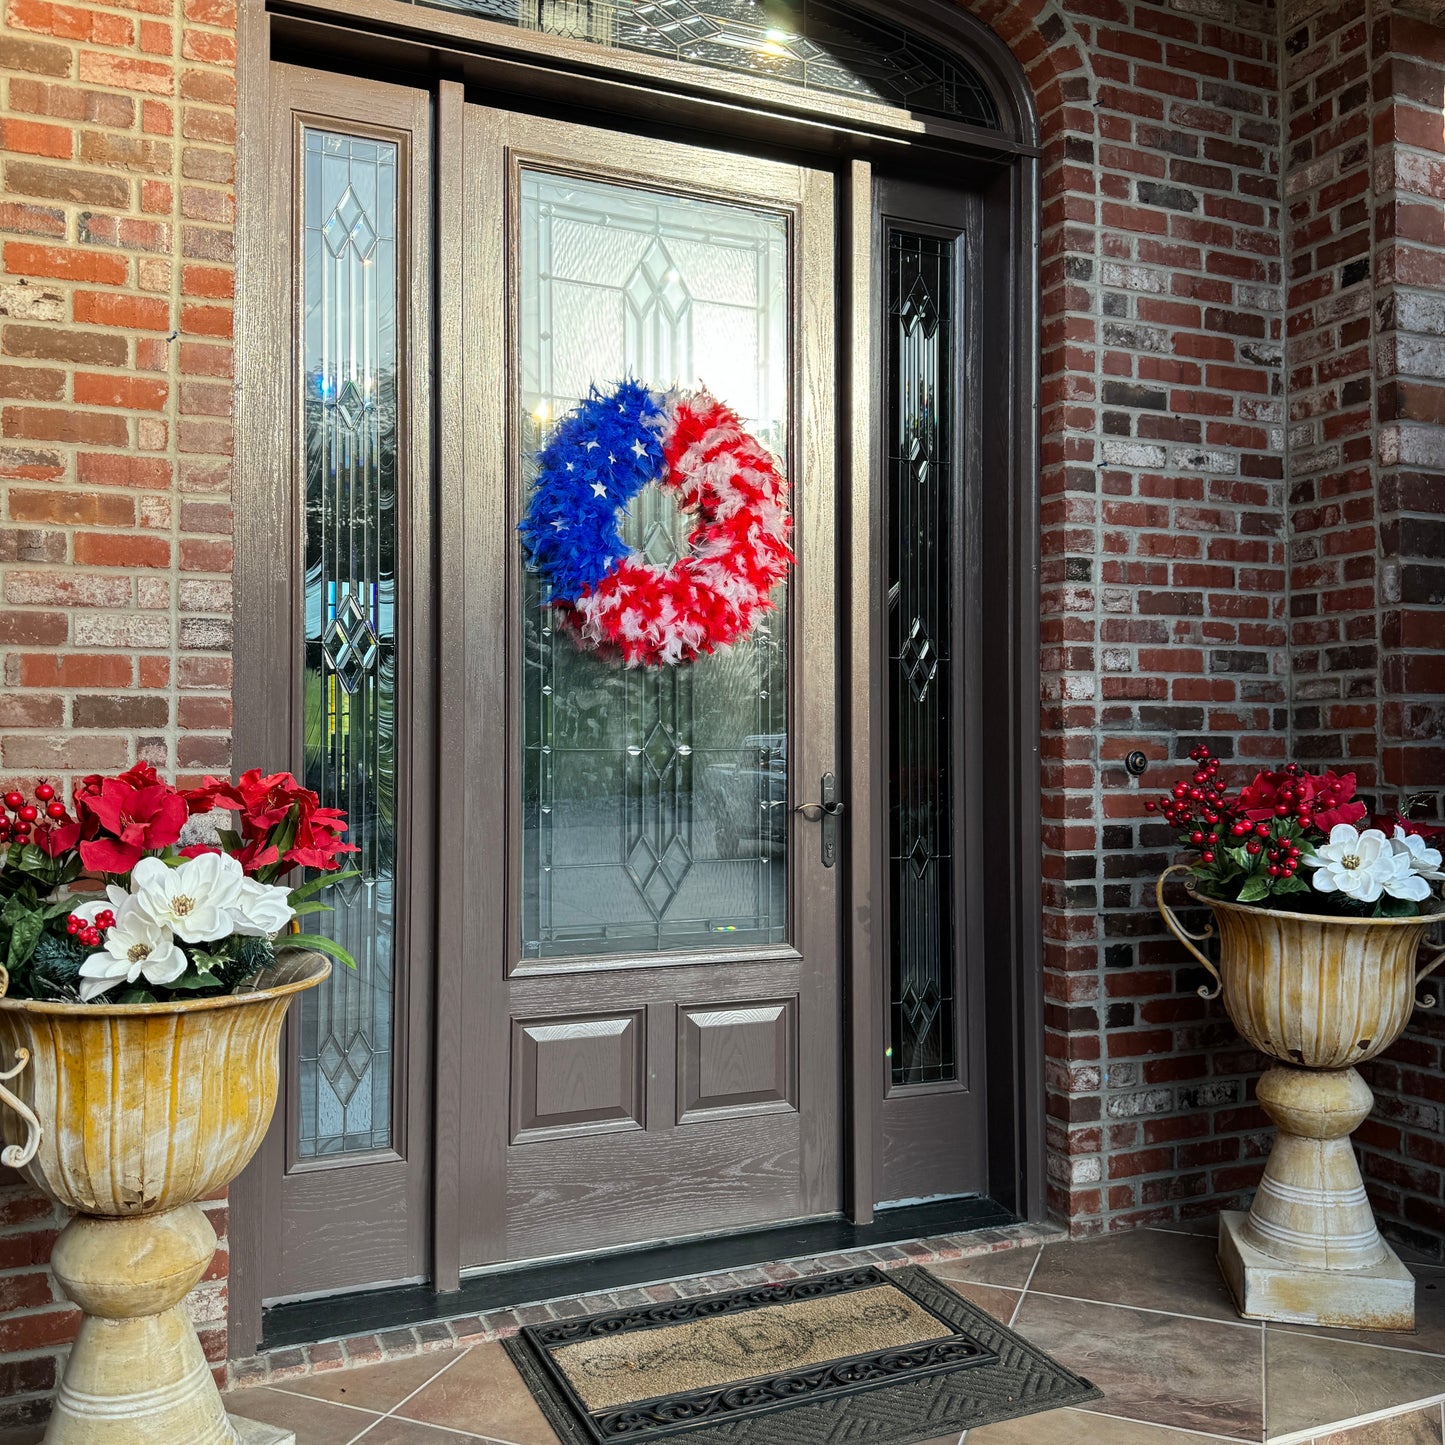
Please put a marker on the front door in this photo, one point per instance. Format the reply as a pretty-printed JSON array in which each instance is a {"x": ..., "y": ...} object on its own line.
[{"x": 651, "y": 1024}]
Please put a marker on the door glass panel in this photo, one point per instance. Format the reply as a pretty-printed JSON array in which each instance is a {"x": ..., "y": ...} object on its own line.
[
  {"x": 654, "y": 802},
  {"x": 349, "y": 352},
  {"x": 920, "y": 484}
]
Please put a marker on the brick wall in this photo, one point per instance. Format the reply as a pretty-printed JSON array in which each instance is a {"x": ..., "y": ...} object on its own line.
[
  {"x": 117, "y": 152},
  {"x": 1223, "y": 182}
]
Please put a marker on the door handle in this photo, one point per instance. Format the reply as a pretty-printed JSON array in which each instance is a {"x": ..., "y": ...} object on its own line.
[{"x": 826, "y": 810}]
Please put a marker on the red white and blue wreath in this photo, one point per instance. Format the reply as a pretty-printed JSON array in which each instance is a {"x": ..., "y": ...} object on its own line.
[{"x": 599, "y": 458}]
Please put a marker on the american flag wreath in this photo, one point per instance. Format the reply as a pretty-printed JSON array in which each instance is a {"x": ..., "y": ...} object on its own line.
[{"x": 600, "y": 456}]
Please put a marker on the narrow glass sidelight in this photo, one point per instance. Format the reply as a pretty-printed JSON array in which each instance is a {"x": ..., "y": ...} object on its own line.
[
  {"x": 654, "y": 801},
  {"x": 349, "y": 347},
  {"x": 920, "y": 480}
]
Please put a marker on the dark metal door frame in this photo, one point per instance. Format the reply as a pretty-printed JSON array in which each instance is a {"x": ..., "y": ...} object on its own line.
[{"x": 390, "y": 37}]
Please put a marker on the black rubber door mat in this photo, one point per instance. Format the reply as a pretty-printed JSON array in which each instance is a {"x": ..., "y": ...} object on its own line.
[{"x": 892, "y": 1357}]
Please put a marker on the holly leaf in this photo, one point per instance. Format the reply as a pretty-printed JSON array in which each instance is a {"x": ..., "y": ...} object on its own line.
[
  {"x": 1293, "y": 884},
  {"x": 1254, "y": 889},
  {"x": 137, "y": 995},
  {"x": 189, "y": 982},
  {"x": 26, "y": 924}
]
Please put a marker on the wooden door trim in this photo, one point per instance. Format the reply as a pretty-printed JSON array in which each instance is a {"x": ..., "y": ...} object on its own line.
[{"x": 502, "y": 58}]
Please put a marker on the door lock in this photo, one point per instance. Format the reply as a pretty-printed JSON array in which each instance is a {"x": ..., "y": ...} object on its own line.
[{"x": 826, "y": 810}]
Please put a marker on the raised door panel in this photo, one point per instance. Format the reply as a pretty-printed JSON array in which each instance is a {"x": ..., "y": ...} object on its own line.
[
  {"x": 576, "y": 1076},
  {"x": 736, "y": 1058}
]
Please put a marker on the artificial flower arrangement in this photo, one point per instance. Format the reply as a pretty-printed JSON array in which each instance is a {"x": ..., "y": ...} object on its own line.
[
  {"x": 1292, "y": 840},
  {"x": 101, "y": 898}
]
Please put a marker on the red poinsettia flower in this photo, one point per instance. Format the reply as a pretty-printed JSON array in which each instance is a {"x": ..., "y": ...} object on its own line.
[
  {"x": 318, "y": 842},
  {"x": 1317, "y": 799},
  {"x": 55, "y": 838},
  {"x": 141, "y": 813},
  {"x": 1332, "y": 801}
]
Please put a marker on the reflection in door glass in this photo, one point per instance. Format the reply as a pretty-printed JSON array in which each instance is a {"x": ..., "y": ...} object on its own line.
[
  {"x": 654, "y": 803},
  {"x": 349, "y": 351}
]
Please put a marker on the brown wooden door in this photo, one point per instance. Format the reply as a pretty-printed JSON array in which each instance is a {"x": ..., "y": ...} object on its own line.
[{"x": 650, "y": 1010}]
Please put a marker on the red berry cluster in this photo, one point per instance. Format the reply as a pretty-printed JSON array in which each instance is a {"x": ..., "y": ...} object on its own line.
[
  {"x": 17, "y": 828},
  {"x": 90, "y": 934},
  {"x": 1197, "y": 807}
]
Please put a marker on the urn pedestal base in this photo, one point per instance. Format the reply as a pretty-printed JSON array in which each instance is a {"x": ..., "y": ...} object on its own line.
[
  {"x": 1378, "y": 1297},
  {"x": 254, "y": 1432}
]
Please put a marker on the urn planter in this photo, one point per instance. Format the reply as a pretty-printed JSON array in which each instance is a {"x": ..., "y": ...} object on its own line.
[
  {"x": 128, "y": 1114},
  {"x": 1319, "y": 995}
]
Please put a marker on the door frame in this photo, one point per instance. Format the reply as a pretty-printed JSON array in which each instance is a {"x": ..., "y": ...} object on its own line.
[{"x": 446, "y": 52}]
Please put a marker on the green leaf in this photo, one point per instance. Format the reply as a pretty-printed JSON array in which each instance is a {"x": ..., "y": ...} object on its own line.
[
  {"x": 189, "y": 981},
  {"x": 1389, "y": 907},
  {"x": 136, "y": 995},
  {"x": 1239, "y": 858},
  {"x": 312, "y": 907},
  {"x": 26, "y": 925},
  {"x": 1293, "y": 884},
  {"x": 1254, "y": 889},
  {"x": 319, "y": 942},
  {"x": 325, "y": 880}
]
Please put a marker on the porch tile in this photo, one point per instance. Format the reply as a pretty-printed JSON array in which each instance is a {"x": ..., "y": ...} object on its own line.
[
  {"x": 482, "y": 1392},
  {"x": 371, "y": 1387},
  {"x": 1008, "y": 1268},
  {"x": 1188, "y": 1373},
  {"x": 1079, "y": 1427},
  {"x": 1000, "y": 1303},
  {"x": 314, "y": 1421},
  {"x": 392, "y": 1431},
  {"x": 1311, "y": 1380},
  {"x": 1419, "y": 1427},
  {"x": 1145, "y": 1268},
  {"x": 1429, "y": 1333}
]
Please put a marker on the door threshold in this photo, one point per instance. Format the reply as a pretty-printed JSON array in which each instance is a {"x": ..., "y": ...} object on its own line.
[{"x": 305, "y": 1322}]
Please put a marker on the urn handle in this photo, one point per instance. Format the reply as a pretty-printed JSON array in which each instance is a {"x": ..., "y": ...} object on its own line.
[
  {"x": 17, "y": 1156},
  {"x": 1184, "y": 935},
  {"x": 1435, "y": 957}
]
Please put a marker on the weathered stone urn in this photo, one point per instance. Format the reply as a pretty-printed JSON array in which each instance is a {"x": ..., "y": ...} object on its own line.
[
  {"x": 128, "y": 1114},
  {"x": 1319, "y": 995}
]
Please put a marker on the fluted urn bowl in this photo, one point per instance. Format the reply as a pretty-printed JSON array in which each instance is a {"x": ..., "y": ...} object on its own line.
[
  {"x": 1317, "y": 992},
  {"x": 1319, "y": 995},
  {"x": 142, "y": 1109}
]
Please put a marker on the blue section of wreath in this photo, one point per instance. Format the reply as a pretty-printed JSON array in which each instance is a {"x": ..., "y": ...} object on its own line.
[{"x": 602, "y": 454}]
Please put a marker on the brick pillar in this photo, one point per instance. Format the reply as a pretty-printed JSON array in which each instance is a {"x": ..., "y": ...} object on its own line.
[{"x": 117, "y": 142}]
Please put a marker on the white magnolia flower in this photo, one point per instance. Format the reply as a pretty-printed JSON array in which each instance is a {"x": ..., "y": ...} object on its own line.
[
  {"x": 1362, "y": 866},
  {"x": 193, "y": 900},
  {"x": 1424, "y": 861},
  {"x": 136, "y": 947},
  {"x": 261, "y": 910}
]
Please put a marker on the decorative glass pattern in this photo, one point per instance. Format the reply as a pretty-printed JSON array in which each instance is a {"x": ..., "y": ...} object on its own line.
[
  {"x": 920, "y": 480},
  {"x": 654, "y": 801},
  {"x": 349, "y": 354},
  {"x": 816, "y": 44}
]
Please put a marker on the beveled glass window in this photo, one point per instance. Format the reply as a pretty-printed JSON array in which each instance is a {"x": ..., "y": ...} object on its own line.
[
  {"x": 349, "y": 306},
  {"x": 820, "y": 45},
  {"x": 654, "y": 802},
  {"x": 920, "y": 481}
]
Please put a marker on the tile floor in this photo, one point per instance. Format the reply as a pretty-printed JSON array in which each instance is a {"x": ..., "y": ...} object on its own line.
[{"x": 1144, "y": 1315}]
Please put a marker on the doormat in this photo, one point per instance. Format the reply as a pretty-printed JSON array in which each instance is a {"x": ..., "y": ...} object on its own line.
[{"x": 891, "y": 1358}]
